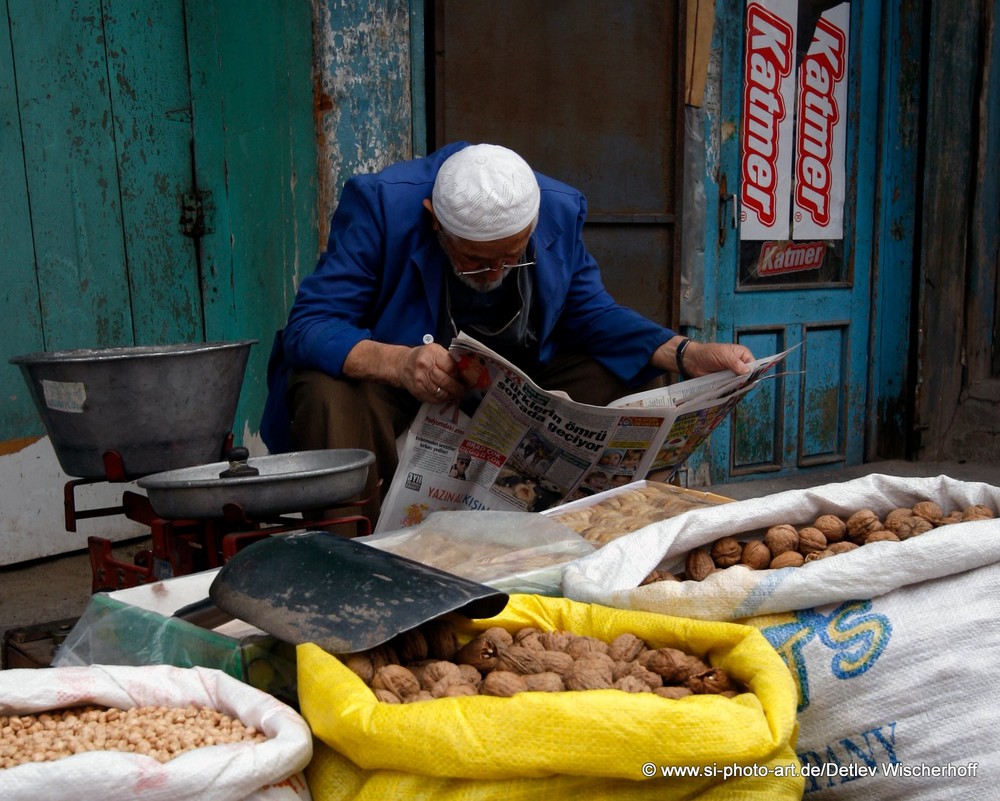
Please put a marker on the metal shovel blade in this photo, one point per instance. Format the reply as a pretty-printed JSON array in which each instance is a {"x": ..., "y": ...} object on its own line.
[{"x": 342, "y": 595}]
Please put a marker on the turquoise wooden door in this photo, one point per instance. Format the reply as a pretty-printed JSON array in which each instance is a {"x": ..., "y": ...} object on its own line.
[
  {"x": 813, "y": 295},
  {"x": 120, "y": 120}
]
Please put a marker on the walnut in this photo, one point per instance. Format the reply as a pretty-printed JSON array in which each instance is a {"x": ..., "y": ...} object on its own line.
[
  {"x": 545, "y": 682},
  {"x": 911, "y": 527},
  {"x": 756, "y": 555},
  {"x": 361, "y": 664},
  {"x": 815, "y": 556},
  {"x": 881, "y": 535},
  {"x": 842, "y": 547},
  {"x": 951, "y": 518},
  {"x": 410, "y": 646},
  {"x": 631, "y": 684},
  {"x": 625, "y": 647},
  {"x": 861, "y": 524},
  {"x": 423, "y": 695},
  {"x": 553, "y": 661},
  {"x": 597, "y": 660},
  {"x": 928, "y": 510},
  {"x": 397, "y": 679},
  {"x": 811, "y": 539},
  {"x": 897, "y": 516},
  {"x": 499, "y": 636},
  {"x": 622, "y": 669},
  {"x": 977, "y": 512},
  {"x": 479, "y": 652},
  {"x": 726, "y": 552},
  {"x": 528, "y": 637},
  {"x": 441, "y": 637},
  {"x": 470, "y": 675},
  {"x": 382, "y": 655},
  {"x": 582, "y": 644},
  {"x": 658, "y": 575},
  {"x": 502, "y": 683},
  {"x": 520, "y": 660},
  {"x": 781, "y": 538},
  {"x": 712, "y": 680},
  {"x": 554, "y": 640},
  {"x": 675, "y": 693},
  {"x": 387, "y": 697},
  {"x": 459, "y": 690},
  {"x": 698, "y": 564},
  {"x": 672, "y": 664},
  {"x": 787, "y": 559},
  {"x": 433, "y": 672},
  {"x": 587, "y": 675},
  {"x": 833, "y": 528}
]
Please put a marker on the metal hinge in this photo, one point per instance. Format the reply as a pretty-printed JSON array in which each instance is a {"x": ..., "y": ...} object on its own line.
[{"x": 197, "y": 214}]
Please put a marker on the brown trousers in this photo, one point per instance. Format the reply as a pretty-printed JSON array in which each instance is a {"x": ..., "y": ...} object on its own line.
[{"x": 329, "y": 412}]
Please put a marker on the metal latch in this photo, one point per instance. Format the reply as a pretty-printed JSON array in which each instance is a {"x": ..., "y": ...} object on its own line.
[{"x": 197, "y": 214}]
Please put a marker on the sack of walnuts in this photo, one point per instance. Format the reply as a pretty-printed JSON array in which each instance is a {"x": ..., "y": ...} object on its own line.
[
  {"x": 153, "y": 732},
  {"x": 520, "y": 743},
  {"x": 797, "y": 549},
  {"x": 896, "y": 694}
]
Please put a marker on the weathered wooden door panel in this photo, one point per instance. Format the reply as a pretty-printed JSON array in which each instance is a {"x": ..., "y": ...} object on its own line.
[
  {"x": 814, "y": 416},
  {"x": 589, "y": 93},
  {"x": 18, "y": 287}
]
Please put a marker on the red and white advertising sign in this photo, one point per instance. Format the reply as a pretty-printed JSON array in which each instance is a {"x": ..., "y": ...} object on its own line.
[
  {"x": 794, "y": 125},
  {"x": 821, "y": 131}
]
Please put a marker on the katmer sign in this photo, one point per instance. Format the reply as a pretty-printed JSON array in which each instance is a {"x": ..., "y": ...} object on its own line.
[{"x": 793, "y": 134}]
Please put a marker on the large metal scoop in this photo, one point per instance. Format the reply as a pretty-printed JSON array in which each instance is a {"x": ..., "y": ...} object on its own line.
[{"x": 339, "y": 594}]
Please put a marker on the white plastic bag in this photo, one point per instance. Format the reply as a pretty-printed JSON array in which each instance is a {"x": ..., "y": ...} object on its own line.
[
  {"x": 897, "y": 698},
  {"x": 250, "y": 771},
  {"x": 612, "y": 575}
]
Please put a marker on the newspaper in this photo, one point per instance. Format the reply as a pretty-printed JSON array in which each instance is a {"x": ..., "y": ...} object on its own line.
[{"x": 509, "y": 445}]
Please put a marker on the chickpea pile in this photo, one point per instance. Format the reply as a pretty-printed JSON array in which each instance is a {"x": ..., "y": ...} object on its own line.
[{"x": 156, "y": 731}]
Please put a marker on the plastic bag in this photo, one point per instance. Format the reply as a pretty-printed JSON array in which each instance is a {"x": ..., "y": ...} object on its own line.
[
  {"x": 555, "y": 744},
  {"x": 514, "y": 552},
  {"x": 264, "y": 771}
]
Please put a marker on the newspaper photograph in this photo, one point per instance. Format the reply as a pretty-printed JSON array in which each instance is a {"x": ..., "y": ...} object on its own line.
[{"x": 509, "y": 445}]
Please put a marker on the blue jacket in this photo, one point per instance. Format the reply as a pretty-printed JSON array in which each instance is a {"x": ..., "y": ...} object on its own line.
[{"x": 382, "y": 275}]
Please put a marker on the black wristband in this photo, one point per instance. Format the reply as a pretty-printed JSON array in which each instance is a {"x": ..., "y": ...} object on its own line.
[{"x": 679, "y": 356}]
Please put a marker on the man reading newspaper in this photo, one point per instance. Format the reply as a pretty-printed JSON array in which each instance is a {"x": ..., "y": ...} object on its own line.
[{"x": 467, "y": 239}]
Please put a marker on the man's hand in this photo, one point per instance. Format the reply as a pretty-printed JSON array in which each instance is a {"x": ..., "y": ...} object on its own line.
[
  {"x": 427, "y": 372},
  {"x": 702, "y": 358}
]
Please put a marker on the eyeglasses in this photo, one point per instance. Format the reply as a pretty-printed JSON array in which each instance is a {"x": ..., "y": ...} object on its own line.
[{"x": 498, "y": 269}]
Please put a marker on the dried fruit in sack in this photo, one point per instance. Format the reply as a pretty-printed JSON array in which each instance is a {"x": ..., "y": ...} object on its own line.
[
  {"x": 897, "y": 516},
  {"x": 554, "y": 661},
  {"x": 698, "y": 564},
  {"x": 833, "y": 528},
  {"x": 438, "y": 670},
  {"x": 977, "y": 512},
  {"x": 502, "y": 683},
  {"x": 882, "y": 535},
  {"x": 862, "y": 523},
  {"x": 398, "y": 680},
  {"x": 929, "y": 511},
  {"x": 626, "y": 647},
  {"x": 787, "y": 559},
  {"x": 544, "y": 683},
  {"x": 480, "y": 652},
  {"x": 554, "y": 640},
  {"x": 520, "y": 660},
  {"x": 811, "y": 539},
  {"x": 911, "y": 526},
  {"x": 842, "y": 547},
  {"x": 499, "y": 635},
  {"x": 583, "y": 644},
  {"x": 781, "y": 538},
  {"x": 756, "y": 555},
  {"x": 712, "y": 680},
  {"x": 672, "y": 664},
  {"x": 528, "y": 637},
  {"x": 586, "y": 674},
  {"x": 622, "y": 669},
  {"x": 815, "y": 556},
  {"x": 726, "y": 552}
]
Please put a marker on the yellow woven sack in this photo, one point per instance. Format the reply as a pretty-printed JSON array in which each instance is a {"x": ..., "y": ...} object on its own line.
[{"x": 596, "y": 739}]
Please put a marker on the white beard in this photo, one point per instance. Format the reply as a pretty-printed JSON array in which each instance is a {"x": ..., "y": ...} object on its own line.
[{"x": 481, "y": 286}]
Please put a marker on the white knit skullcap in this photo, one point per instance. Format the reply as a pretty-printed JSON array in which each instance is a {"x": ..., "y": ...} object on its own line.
[{"x": 485, "y": 192}]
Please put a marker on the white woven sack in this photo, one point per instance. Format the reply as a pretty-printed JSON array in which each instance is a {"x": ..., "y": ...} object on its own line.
[
  {"x": 612, "y": 575},
  {"x": 897, "y": 698},
  {"x": 265, "y": 771}
]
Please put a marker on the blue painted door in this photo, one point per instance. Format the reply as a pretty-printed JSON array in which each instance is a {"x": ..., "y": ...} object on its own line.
[{"x": 801, "y": 289}]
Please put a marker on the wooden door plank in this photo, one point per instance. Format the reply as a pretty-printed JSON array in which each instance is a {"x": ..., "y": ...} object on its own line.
[
  {"x": 66, "y": 119},
  {"x": 19, "y": 299},
  {"x": 150, "y": 98},
  {"x": 255, "y": 151}
]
